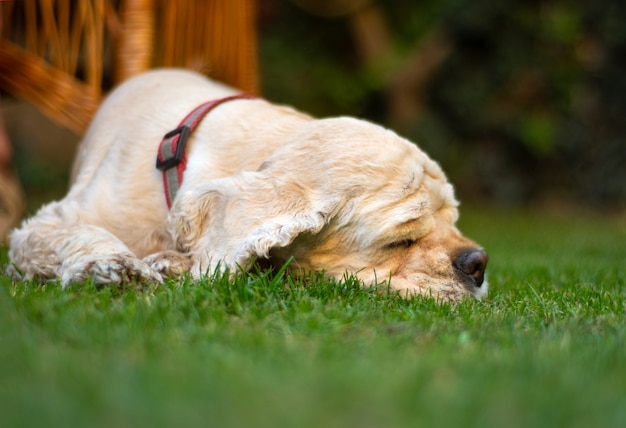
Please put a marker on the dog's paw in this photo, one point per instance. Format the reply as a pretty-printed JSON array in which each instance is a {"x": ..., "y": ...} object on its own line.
[
  {"x": 114, "y": 269},
  {"x": 169, "y": 263}
]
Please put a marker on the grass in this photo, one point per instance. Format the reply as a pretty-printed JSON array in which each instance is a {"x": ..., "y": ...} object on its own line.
[{"x": 546, "y": 349}]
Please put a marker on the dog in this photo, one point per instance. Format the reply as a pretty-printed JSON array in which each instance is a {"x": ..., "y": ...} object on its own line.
[{"x": 258, "y": 181}]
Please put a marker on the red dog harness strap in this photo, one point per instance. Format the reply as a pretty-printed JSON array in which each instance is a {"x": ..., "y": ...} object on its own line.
[{"x": 172, "y": 156}]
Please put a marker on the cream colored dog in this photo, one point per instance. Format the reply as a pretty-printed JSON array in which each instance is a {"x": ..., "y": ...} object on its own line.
[{"x": 262, "y": 181}]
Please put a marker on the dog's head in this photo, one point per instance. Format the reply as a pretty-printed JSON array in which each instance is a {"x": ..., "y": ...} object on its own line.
[{"x": 343, "y": 195}]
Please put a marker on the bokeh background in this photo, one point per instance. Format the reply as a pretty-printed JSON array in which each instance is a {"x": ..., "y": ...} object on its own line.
[{"x": 522, "y": 102}]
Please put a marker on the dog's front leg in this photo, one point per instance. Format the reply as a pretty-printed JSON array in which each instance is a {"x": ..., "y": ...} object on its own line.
[
  {"x": 54, "y": 244},
  {"x": 169, "y": 263},
  {"x": 99, "y": 255}
]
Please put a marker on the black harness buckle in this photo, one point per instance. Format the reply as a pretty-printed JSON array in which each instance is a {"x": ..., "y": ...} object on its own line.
[{"x": 183, "y": 134}]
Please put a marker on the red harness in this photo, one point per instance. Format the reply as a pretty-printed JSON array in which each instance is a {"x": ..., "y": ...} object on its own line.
[{"x": 172, "y": 156}]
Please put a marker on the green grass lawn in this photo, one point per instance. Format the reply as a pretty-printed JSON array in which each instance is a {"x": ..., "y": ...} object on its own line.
[{"x": 547, "y": 348}]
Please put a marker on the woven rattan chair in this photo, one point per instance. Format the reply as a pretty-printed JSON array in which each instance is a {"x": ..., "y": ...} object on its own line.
[
  {"x": 63, "y": 55},
  {"x": 54, "y": 53}
]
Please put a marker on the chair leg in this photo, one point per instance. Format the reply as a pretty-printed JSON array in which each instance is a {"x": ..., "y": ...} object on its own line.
[{"x": 11, "y": 203}]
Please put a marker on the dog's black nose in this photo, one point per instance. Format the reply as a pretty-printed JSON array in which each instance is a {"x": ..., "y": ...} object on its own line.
[{"x": 473, "y": 264}]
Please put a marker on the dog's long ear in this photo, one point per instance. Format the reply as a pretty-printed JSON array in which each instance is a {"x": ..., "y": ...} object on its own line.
[{"x": 231, "y": 221}]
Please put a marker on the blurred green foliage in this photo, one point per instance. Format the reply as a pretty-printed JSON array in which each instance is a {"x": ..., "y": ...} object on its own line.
[{"x": 529, "y": 105}]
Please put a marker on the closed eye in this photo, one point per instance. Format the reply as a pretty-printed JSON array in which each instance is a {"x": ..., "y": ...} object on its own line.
[{"x": 405, "y": 243}]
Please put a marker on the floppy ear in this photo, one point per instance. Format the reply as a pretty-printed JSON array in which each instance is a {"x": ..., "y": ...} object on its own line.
[{"x": 229, "y": 222}]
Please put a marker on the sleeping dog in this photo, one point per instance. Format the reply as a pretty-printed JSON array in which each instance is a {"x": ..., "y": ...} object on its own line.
[{"x": 236, "y": 179}]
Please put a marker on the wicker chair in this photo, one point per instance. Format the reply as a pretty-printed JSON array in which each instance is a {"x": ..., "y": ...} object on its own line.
[
  {"x": 63, "y": 55},
  {"x": 54, "y": 53}
]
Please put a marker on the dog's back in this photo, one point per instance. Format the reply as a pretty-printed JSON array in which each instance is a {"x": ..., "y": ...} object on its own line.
[{"x": 141, "y": 111}]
